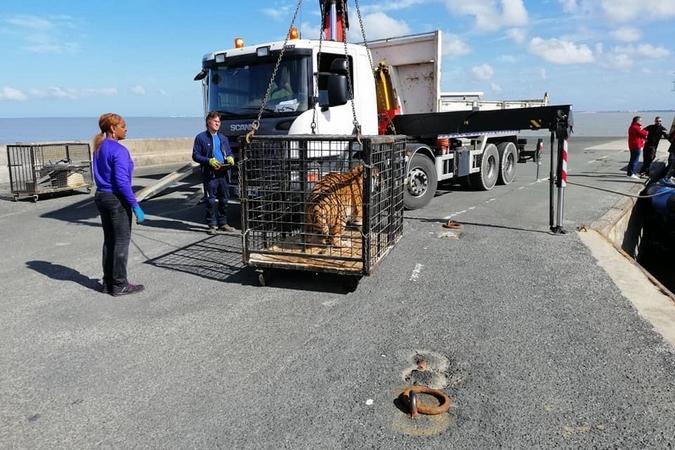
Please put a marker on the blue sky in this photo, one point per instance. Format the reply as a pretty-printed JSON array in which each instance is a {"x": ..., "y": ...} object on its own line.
[{"x": 67, "y": 58}]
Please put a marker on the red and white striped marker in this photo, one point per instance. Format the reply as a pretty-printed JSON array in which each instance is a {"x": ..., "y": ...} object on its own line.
[{"x": 563, "y": 172}]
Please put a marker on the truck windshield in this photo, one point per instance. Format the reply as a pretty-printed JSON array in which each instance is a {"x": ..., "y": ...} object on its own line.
[{"x": 237, "y": 88}]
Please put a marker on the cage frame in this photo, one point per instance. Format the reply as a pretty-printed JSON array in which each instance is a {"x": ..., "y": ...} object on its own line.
[
  {"x": 358, "y": 150},
  {"x": 26, "y": 162}
]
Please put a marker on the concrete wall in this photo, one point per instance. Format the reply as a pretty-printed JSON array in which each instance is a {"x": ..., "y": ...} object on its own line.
[
  {"x": 144, "y": 152},
  {"x": 622, "y": 225}
]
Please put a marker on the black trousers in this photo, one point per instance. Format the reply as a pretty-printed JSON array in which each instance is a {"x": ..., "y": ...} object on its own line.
[
  {"x": 116, "y": 221},
  {"x": 648, "y": 155},
  {"x": 217, "y": 195}
]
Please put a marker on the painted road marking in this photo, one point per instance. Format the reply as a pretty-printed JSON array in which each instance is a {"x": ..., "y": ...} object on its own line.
[
  {"x": 416, "y": 272},
  {"x": 471, "y": 208}
]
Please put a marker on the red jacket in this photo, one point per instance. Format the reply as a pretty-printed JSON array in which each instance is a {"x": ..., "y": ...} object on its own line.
[{"x": 636, "y": 137}]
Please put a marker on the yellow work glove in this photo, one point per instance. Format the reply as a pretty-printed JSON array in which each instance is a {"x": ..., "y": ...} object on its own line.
[
  {"x": 229, "y": 161},
  {"x": 213, "y": 162}
]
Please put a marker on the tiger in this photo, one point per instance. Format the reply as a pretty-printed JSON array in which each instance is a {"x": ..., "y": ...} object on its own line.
[{"x": 334, "y": 201}]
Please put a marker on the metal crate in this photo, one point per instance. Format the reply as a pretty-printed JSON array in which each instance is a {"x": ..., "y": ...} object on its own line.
[
  {"x": 280, "y": 180},
  {"x": 36, "y": 169}
]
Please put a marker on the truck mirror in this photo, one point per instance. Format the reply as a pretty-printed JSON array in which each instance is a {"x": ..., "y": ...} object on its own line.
[
  {"x": 337, "y": 90},
  {"x": 339, "y": 65}
]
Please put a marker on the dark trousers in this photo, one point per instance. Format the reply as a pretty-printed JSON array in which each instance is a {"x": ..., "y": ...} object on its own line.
[
  {"x": 116, "y": 221},
  {"x": 648, "y": 155},
  {"x": 217, "y": 195},
  {"x": 670, "y": 172},
  {"x": 634, "y": 159}
]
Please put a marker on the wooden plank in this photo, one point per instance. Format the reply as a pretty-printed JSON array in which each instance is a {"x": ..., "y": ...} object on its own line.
[{"x": 160, "y": 185}]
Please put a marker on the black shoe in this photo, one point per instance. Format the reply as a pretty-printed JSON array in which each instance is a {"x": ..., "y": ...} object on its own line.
[
  {"x": 212, "y": 230},
  {"x": 226, "y": 229},
  {"x": 128, "y": 289},
  {"x": 103, "y": 288}
]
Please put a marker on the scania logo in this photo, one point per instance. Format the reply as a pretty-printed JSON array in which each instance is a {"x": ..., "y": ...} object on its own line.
[{"x": 240, "y": 127}]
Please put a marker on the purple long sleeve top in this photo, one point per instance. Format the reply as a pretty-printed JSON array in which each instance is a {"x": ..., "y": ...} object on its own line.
[{"x": 113, "y": 169}]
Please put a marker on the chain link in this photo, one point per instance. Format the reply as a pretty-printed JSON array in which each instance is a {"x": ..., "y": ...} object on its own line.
[
  {"x": 350, "y": 86},
  {"x": 318, "y": 68},
  {"x": 256, "y": 123}
]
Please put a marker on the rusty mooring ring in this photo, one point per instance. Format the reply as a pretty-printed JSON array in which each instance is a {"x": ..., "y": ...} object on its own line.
[{"x": 415, "y": 409}]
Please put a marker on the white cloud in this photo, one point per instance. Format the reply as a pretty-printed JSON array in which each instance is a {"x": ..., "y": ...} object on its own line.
[
  {"x": 518, "y": 35},
  {"x": 650, "y": 51},
  {"x": 138, "y": 90},
  {"x": 558, "y": 51},
  {"x": 491, "y": 15},
  {"x": 628, "y": 10},
  {"x": 627, "y": 34},
  {"x": 30, "y": 22},
  {"x": 510, "y": 59},
  {"x": 542, "y": 74},
  {"x": 379, "y": 25},
  {"x": 392, "y": 6},
  {"x": 495, "y": 87},
  {"x": 278, "y": 14},
  {"x": 625, "y": 57},
  {"x": 49, "y": 34},
  {"x": 579, "y": 7},
  {"x": 569, "y": 6},
  {"x": 454, "y": 46},
  {"x": 484, "y": 72},
  {"x": 310, "y": 31},
  {"x": 71, "y": 93},
  {"x": 9, "y": 93}
]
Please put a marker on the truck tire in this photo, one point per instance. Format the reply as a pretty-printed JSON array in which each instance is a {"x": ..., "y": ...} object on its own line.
[
  {"x": 421, "y": 185},
  {"x": 508, "y": 157},
  {"x": 489, "y": 169}
]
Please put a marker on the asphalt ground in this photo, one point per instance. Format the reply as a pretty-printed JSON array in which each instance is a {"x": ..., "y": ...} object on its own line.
[{"x": 531, "y": 340}]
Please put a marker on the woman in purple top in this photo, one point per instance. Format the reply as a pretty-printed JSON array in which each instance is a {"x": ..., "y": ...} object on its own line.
[{"x": 113, "y": 169}]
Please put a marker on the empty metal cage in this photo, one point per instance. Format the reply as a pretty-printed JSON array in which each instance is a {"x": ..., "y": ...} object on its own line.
[
  {"x": 36, "y": 169},
  {"x": 322, "y": 203}
]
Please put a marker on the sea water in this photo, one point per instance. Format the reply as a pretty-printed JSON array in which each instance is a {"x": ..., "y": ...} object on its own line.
[{"x": 26, "y": 130}]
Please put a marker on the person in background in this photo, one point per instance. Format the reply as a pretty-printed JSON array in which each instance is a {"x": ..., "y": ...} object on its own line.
[
  {"x": 115, "y": 200},
  {"x": 670, "y": 170},
  {"x": 636, "y": 141},
  {"x": 656, "y": 132},
  {"x": 282, "y": 90},
  {"x": 212, "y": 151}
]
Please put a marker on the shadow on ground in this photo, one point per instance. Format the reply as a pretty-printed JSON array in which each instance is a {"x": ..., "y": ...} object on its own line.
[
  {"x": 178, "y": 212},
  {"x": 220, "y": 258},
  {"x": 63, "y": 273}
]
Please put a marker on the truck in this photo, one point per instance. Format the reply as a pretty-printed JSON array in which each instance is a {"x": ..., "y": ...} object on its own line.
[{"x": 387, "y": 86}]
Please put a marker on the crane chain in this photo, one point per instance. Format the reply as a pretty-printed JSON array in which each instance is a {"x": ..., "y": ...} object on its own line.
[{"x": 256, "y": 123}]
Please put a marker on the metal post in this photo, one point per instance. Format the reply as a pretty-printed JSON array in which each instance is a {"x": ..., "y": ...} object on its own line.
[
  {"x": 537, "y": 154},
  {"x": 562, "y": 134},
  {"x": 551, "y": 185}
]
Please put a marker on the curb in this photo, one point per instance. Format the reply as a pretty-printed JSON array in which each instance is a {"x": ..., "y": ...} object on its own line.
[{"x": 613, "y": 227}]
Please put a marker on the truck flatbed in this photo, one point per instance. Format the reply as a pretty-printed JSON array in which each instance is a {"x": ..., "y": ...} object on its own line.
[{"x": 431, "y": 125}]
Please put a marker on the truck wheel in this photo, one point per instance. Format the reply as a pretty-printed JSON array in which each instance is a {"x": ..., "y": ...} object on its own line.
[
  {"x": 489, "y": 169},
  {"x": 508, "y": 156},
  {"x": 422, "y": 180}
]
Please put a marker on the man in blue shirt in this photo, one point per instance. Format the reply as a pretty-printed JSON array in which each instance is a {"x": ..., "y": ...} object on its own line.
[{"x": 212, "y": 151}]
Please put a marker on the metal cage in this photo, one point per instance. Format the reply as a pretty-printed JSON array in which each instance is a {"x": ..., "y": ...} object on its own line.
[
  {"x": 322, "y": 203},
  {"x": 36, "y": 169}
]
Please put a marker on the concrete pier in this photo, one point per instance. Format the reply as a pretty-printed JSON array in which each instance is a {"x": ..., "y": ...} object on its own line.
[{"x": 539, "y": 340}]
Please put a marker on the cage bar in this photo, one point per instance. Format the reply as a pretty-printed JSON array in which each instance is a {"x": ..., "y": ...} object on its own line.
[
  {"x": 36, "y": 169},
  {"x": 322, "y": 203}
]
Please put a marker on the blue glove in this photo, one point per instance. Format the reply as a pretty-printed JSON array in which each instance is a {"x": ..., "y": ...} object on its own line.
[{"x": 140, "y": 215}]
